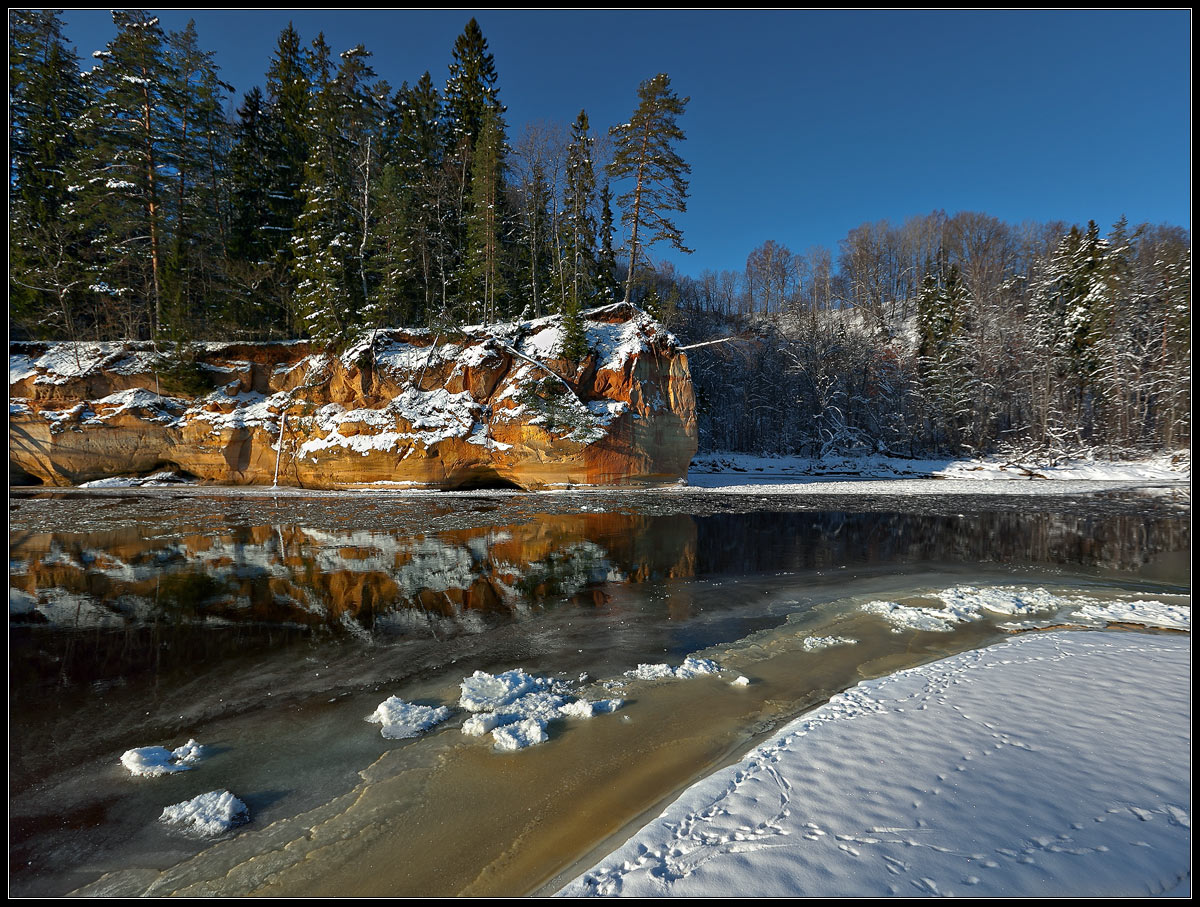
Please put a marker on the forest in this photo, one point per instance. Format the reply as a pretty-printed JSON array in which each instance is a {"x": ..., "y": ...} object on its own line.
[{"x": 146, "y": 203}]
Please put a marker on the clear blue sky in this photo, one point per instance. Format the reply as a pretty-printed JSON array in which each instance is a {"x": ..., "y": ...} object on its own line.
[{"x": 805, "y": 124}]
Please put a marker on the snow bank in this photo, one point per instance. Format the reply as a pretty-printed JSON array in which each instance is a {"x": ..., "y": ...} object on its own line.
[
  {"x": 152, "y": 761},
  {"x": 207, "y": 815},
  {"x": 1147, "y": 614},
  {"x": 962, "y": 604},
  {"x": 719, "y": 470},
  {"x": 402, "y": 719},
  {"x": 1050, "y": 765}
]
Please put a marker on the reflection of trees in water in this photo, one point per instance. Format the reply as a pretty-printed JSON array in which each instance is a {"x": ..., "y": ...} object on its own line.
[
  {"x": 759, "y": 542},
  {"x": 134, "y": 600},
  {"x": 321, "y": 579}
]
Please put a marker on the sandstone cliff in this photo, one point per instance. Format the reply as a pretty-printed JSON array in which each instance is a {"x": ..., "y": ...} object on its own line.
[{"x": 489, "y": 405}]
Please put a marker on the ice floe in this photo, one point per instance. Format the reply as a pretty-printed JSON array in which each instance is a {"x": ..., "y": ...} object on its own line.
[
  {"x": 816, "y": 643},
  {"x": 402, "y": 719},
  {"x": 207, "y": 815},
  {"x": 691, "y": 667},
  {"x": 516, "y": 708},
  {"x": 152, "y": 761}
]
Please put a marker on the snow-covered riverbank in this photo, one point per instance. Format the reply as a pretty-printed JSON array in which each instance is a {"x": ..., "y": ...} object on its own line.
[
  {"x": 1054, "y": 764},
  {"x": 737, "y": 470}
]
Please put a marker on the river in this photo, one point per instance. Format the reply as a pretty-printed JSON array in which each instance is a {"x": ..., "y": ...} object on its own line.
[{"x": 269, "y": 626}]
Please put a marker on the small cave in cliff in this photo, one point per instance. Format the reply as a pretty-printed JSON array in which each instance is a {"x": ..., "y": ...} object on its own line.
[
  {"x": 17, "y": 477},
  {"x": 485, "y": 480}
]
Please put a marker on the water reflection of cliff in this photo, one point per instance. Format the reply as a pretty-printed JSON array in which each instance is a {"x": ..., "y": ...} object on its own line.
[
  {"x": 453, "y": 581},
  {"x": 361, "y": 581}
]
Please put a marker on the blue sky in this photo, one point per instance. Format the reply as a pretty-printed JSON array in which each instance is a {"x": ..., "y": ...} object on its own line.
[{"x": 805, "y": 124}]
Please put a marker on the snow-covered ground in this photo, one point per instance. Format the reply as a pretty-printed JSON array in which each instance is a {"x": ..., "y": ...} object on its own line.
[
  {"x": 781, "y": 474},
  {"x": 1052, "y": 764},
  {"x": 738, "y": 473}
]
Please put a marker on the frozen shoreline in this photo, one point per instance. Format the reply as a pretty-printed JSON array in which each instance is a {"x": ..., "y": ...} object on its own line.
[
  {"x": 1053, "y": 764},
  {"x": 736, "y": 473}
]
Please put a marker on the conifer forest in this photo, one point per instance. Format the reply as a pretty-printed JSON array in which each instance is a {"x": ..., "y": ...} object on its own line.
[{"x": 147, "y": 203}]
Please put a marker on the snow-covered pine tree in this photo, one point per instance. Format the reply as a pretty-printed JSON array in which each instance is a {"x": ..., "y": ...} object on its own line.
[
  {"x": 125, "y": 174},
  {"x": 287, "y": 94},
  {"x": 470, "y": 92},
  {"x": 323, "y": 245},
  {"x": 536, "y": 269},
  {"x": 194, "y": 285},
  {"x": 646, "y": 153},
  {"x": 46, "y": 100},
  {"x": 943, "y": 310},
  {"x": 470, "y": 95},
  {"x": 484, "y": 283},
  {"x": 580, "y": 232},
  {"x": 607, "y": 256},
  {"x": 422, "y": 250}
]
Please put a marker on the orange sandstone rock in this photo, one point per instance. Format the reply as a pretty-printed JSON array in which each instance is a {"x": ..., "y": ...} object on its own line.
[{"x": 489, "y": 405}]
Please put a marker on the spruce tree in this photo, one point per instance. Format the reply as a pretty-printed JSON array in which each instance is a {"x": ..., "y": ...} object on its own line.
[
  {"x": 470, "y": 91},
  {"x": 471, "y": 97},
  {"x": 646, "y": 153},
  {"x": 250, "y": 157},
  {"x": 423, "y": 250}
]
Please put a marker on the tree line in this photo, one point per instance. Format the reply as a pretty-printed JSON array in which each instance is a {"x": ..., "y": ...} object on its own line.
[
  {"x": 946, "y": 335},
  {"x": 141, "y": 206}
]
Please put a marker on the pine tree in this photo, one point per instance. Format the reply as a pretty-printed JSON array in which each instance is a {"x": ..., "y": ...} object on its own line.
[
  {"x": 323, "y": 246},
  {"x": 249, "y": 159},
  {"x": 287, "y": 99},
  {"x": 609, "y": 284},
  {"x": 579, "y": 222},
  {"x": 422, "y": 250},
  {"x": 484, "y": 280},
  {"x": 645, "y": 153},
  {"x": 125, "y": 172},
  {"x": 943, "y": 308},
  {"x": 537, "y": 257},
  {"x": 470, "y": 92},
  {"x": 471, "y": 97},
  {"x": 198, "y": 213},
  {"x": 46, "y": 99}
]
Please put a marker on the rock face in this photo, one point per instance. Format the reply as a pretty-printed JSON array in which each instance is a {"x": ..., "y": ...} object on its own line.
[{"x": 487, "y": 406}]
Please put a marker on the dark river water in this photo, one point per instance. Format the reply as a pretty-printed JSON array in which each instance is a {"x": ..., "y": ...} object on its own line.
[{"x": 267, "y": 630}]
